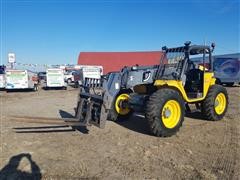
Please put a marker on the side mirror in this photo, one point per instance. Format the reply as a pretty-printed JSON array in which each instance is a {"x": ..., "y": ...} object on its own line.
[{"x": 164, "y": 48}]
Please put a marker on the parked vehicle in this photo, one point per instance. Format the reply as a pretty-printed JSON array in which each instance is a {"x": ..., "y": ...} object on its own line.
[
  {"x": 2, "y": 77},
  {"x": 42, "y": 77},
  {"x": 21, "y": 79},
  {"x": 55, "y": 78},
  {"x": 69, "y": 76}
]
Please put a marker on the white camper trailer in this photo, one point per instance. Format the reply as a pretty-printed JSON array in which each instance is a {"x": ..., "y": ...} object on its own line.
[
  {"x": 55, "y": 78},
  {"x": 21, "y": 79}
]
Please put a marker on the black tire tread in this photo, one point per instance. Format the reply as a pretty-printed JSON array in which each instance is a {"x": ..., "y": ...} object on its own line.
[
  {"x": 156, "y": 100},
  {"x": 208, "y": 104}
]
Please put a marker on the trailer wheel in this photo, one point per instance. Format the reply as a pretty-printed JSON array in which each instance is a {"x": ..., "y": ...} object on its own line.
[
  {"x": 165, "y": 112},
  {"x": 215, "y": 104},
  {"x": 118, "y": 113}
]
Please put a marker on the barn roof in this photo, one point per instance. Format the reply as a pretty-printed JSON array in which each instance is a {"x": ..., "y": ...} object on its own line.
[{"x": 115, "y": 61}]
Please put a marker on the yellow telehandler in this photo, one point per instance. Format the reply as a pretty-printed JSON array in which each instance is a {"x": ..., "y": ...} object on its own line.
[{"x": 161, "y": 92}]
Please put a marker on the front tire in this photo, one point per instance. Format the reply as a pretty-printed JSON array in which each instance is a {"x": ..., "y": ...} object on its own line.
[
  {"x": 165, "y": 112},
  {"x": 215, "y": 104},
  {"x": 118, "y": 113}
]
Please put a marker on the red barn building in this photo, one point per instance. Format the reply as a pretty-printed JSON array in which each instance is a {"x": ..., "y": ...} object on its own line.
[{"x": 115, "y": 61}]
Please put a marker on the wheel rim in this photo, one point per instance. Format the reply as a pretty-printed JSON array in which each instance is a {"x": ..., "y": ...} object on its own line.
[
  {"x": 171, "y": 114},
  {"x": 121, "y": 111},
  {"x": 220, "y": 103}
]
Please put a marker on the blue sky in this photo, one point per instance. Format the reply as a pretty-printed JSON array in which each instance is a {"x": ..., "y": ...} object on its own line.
[{"x": 55, "y": 32}]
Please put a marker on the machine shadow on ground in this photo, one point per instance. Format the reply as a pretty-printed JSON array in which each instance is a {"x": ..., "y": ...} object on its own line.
[
  {"x": 11, "y": 171},
  {"x": 139, "y": 124},
  {"x": 53, "y": 128},
  {"x": 196, "y": 115}
]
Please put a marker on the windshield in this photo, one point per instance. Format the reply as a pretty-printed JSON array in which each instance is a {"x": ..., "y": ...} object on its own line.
[
  {"x": 172, "y": 63},
  {"x": 174, "y": 57}
]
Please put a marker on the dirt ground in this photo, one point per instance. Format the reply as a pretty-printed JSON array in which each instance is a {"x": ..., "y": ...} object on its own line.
[{"x": 200, "y": 150}]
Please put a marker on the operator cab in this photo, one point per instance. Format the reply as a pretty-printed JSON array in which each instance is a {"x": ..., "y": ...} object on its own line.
[
  {"x": 187, "y": 64},
  {"x": 197, "y": 65}
]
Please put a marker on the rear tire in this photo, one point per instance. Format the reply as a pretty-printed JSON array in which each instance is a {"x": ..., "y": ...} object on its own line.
[
  {"x": 214, "y": 106},
  {"x": 165, "y": 121}
]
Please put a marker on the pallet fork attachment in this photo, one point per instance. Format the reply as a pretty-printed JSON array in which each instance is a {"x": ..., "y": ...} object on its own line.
[{"x": 91, "y": 109}]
